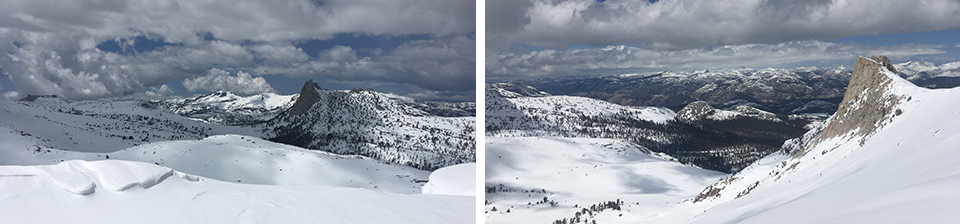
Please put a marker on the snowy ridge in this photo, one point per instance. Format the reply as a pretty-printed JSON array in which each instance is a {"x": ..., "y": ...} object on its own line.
[
  {"x": 888, "y": 167},
  {"x": 782, "y": 91},
  {"x": 701, "y": 110},
  {"x": 914, "y": 70},
  {"x": 227, "y": 108},
  {"x": 245, "y": 159},
  {"x": 99, "y": 126},
  {"x": 561, "y": 114}
]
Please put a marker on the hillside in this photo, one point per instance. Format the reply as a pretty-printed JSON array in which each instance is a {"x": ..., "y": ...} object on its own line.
[
  {"x": 888, "y": 155},
  {"x": 373, "y": 124}
]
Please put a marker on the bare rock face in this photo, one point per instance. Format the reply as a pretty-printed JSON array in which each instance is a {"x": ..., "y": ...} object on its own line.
[
  {"x": 695, "y": 111},
  {"x": 885, "y": 62},
  {"x": 866, "y": 103},
  {"x": 308, "y": 97}
]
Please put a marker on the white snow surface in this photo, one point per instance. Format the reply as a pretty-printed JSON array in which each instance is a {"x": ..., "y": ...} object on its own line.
[
  {"x": 571, "y": 106},
  {"x": 245, "y": 159},
  {"x": 453, "y": 180},
  {"x": 114, "y": 191},
  {"x": 582, "y": 172}
]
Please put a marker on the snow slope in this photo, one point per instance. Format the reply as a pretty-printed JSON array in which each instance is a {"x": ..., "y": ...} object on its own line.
[
  {"x": 114, "y": 191},
  {"x": 246, "y": 159},
  {"x": 582, "y": 172},
  {"x": 903, "y": 171}
]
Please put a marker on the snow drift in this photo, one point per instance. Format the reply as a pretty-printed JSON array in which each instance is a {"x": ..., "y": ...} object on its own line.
[
  {"x": 136, "y": 192},
  {"x": 453, "y": 180}
]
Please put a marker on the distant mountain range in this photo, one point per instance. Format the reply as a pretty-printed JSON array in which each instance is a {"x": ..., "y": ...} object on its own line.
[{"x": 782, "y": 91}]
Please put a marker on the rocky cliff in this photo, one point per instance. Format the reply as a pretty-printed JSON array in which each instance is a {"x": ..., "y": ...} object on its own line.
[
  {"x": 867, "y": 103},
  {"x": 308, "y": 96}
]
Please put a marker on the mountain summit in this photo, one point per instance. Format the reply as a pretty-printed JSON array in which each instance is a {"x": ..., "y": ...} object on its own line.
[
  {"x": 868, "y": 102},
  {"x": 308, "y": 97}
]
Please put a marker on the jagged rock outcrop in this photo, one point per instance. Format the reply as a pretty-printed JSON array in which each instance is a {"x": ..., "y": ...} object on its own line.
[
  {"x": 695, "y": 111},
  {"x": 883, "y": 60},
  {"x": 867, "y": 102},
  {"x": 308, "y": 96}
]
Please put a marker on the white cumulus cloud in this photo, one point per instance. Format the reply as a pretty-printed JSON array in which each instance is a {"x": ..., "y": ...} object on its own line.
[
  {"x": 217, "y": 79},
  {"x": 50, "y": 46}
]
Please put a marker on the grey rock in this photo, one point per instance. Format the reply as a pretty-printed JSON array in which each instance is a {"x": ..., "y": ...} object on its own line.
[{"x": 308, "y": 96}]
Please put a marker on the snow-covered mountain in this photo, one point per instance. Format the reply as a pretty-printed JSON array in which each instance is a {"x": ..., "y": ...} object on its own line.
[
  {"x": 929, "y": 75},
  {"x": 701, "y": 110},
  {"x": 781, "y": 91},
  {"x": 369, "y": 123},
  {"x": 914, "y": 70},
  {"x": 887, "y": 155},
  {"x": 724, "y": 144},
  {"x": 227, "y": 108},
  {"x": 802, "y": 90}
]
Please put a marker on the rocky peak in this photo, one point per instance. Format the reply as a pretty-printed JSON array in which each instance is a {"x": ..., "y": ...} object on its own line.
[
  {"x": 883, "y": 60},
  {"x": 308, "y": 97},
  {"x": 695, "y": 111},
  {"x": 867, "y": 101}
]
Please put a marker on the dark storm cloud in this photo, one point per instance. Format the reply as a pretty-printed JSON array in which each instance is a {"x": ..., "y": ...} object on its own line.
[
  {"x": 614, "y": 60},
  {"x": 680, "y": 25}
]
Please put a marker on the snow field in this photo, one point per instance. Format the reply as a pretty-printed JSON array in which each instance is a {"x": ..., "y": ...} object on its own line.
[
  {"x": 582, "y": 172},
  {"x": 146, "y": 193}
]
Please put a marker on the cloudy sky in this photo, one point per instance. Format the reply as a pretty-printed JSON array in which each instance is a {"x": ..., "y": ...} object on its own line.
[
  {"x": 99, "y": 49},
  {"x": 546, "y": 38}
]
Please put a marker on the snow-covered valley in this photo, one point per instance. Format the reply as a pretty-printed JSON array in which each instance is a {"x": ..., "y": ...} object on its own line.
[{"x": 545, "y": 179}]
